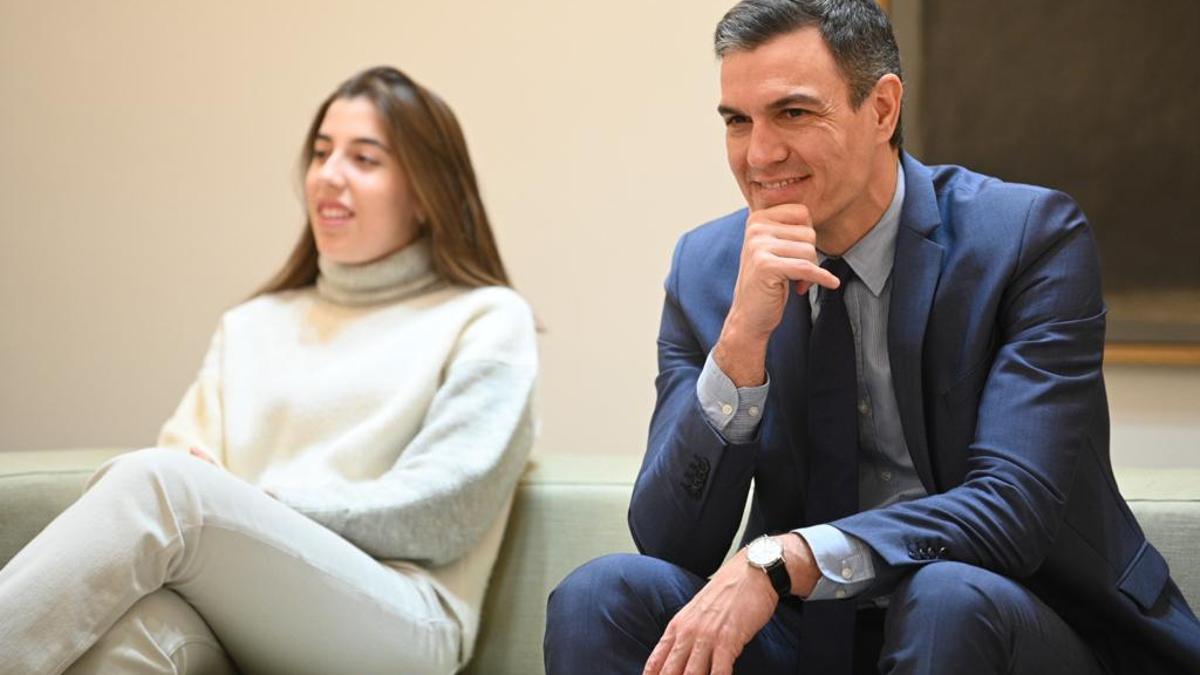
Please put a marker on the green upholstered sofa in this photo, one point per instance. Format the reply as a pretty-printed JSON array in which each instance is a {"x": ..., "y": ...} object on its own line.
[{"x": 569, "y": 509}]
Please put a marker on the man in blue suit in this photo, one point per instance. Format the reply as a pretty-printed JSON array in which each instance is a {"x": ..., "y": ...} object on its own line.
[{"x": 905, "y": 361}]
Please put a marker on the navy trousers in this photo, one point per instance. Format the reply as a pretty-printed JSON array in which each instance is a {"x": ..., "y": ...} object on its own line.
[{"x": 946, "y": 617}]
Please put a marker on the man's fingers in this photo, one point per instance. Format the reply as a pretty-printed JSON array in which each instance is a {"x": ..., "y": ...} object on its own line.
[
  {"x": 722, "y": 661},
  {"x": 796, "y": 260},
  {"x": 787, "y": 214},
  {"x": 797, "y": 250},
  {"x": 678, "y": 658},
  {"x": 822, "y": 277},
  {"x": 659, "y": 655},
  {"x": 802, "y": 270},
  {"x": 699, "y": 660},
  {"x": 765, "y": 231}
]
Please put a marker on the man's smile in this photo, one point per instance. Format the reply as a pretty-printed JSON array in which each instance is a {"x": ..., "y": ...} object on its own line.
[{"x": 778, "y": 184}]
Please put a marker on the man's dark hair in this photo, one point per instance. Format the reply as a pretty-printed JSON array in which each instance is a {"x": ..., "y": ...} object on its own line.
[{"x": 857, "y": 32}]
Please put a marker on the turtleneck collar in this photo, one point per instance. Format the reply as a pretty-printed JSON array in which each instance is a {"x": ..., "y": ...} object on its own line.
[{"x": 403, "y": 274}]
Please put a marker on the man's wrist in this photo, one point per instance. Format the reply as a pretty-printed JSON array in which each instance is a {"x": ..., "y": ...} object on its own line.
[
  {"x": 759, "y": 579},
  {"x": 801, "y": 565},
  {"x": 740, "y": 356}
]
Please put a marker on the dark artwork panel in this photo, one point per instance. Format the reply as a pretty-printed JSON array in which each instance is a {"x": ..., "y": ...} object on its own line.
[{"x": 1100, "y": 99}]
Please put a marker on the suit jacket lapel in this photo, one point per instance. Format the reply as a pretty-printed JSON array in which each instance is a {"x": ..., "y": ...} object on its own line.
[{"x": 915, "y": 274}]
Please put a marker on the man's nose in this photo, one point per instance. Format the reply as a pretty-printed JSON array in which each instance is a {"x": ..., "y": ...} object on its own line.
[{"x": 766, "y": 147}]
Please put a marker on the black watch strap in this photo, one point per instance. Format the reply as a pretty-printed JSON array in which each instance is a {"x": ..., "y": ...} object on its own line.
[{"x": 780, "y": 580}]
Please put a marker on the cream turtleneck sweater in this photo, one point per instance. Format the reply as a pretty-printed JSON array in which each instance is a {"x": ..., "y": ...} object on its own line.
[{"x": 385, "y": 404}]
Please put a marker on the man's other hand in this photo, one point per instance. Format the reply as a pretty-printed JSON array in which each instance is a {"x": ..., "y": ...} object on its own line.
[{"x": 709, "y": 633}]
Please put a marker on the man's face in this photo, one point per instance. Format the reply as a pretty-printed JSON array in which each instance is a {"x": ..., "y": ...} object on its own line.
[{"x": 791, "y": 134}]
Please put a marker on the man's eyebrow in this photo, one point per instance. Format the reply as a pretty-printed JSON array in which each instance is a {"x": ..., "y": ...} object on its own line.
[
  {"x": 777, "y": 104},
  {"x": 793, "y": 99}
]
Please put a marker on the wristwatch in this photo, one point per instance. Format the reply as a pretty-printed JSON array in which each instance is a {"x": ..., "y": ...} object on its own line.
[{"x": 767, "y": 555}]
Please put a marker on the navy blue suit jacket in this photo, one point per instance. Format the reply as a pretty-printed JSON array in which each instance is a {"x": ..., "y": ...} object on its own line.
[{"x": 996, "y": 337}]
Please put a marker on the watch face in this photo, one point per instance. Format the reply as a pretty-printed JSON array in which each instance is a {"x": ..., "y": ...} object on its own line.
[{"x": 764, "y": 551}]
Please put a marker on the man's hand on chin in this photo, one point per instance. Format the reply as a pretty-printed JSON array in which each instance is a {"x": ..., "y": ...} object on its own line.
[{"x": 709, "y": 633}]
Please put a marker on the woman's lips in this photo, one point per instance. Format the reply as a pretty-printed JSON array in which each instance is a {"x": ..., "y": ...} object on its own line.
[{"x": 332, "y": 214}]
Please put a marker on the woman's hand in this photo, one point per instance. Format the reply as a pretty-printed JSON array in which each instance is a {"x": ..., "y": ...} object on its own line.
[{"x": 204, "y": 456}]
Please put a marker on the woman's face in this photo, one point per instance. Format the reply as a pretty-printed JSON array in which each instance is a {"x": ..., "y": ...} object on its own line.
[{"x": 360, "y": 203}]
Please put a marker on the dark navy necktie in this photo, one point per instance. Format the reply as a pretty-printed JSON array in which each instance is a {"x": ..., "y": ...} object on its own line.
[{"x": 831, "y": 452}]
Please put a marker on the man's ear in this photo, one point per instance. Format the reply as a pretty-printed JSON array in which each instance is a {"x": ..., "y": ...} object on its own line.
[{"x": 885, "y": 101}]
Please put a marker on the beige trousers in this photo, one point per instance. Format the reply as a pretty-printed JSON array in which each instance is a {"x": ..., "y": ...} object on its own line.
[
  {"x": 161, "y": 633},
  {"x": 168, "y": 564}
]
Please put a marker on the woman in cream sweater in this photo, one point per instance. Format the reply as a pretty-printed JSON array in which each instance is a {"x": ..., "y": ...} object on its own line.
[{"x": 330, "y": 495}]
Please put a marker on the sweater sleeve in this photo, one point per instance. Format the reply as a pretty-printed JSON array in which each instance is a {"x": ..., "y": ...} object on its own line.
[
  {"x": 197, "y": 421},
  {"x": 454, "y": 477}
]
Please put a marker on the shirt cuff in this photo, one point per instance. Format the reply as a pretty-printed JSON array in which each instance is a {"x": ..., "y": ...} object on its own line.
[
  {"x": 845, "y": 562},
  {"x": 734, "y": 412}
]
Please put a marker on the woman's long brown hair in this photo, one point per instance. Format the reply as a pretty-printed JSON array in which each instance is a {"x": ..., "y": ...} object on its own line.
[{"x": 430, "y": 146}]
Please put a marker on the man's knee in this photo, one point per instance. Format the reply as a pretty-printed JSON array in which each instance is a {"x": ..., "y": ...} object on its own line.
[
  {"x": 626, "y": 590},
  {"x": 953, "y": 592},
  {"x": 952, "y": 600},
  {"x": 611, "y": 611},
  {"x": 610, "y": 585},
  {"x": 953, "y": 617}
]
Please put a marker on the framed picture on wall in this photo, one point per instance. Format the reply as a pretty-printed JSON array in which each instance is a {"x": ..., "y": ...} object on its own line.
[{"x": 1089, "y": 97}]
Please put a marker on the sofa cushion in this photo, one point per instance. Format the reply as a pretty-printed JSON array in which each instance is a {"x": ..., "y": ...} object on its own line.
[{"x": 568, "y": 510}]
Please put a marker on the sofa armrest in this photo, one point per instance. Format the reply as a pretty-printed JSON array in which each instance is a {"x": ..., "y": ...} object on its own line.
[
  {"x": 35, "y": 486},
  {"x": 1166, "y": 503}
]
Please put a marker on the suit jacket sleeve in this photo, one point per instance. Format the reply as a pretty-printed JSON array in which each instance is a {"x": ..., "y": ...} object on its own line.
[
  {"x": 691, "y": 490},
  {"x": 1041, "y": 407}
]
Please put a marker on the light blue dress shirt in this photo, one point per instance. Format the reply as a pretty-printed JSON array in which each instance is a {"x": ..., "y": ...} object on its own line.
[{"x": 885, "y": 474}]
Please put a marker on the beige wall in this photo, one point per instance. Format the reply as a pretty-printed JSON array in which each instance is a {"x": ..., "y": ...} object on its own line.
[{"x": 147, "y": 183}]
